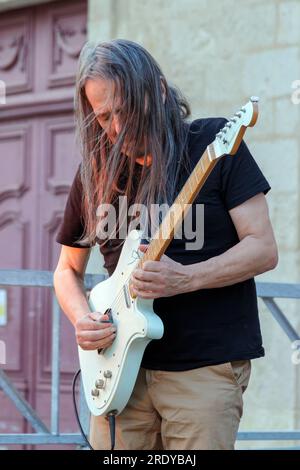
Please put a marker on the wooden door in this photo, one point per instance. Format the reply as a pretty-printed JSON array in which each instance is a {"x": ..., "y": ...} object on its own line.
[{"x": 39, "y": 48}]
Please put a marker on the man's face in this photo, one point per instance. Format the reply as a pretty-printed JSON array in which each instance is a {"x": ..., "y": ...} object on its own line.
[{"x": 100, "y": 95}]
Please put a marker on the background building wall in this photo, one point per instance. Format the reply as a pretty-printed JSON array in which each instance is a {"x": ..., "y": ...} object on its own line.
[{"x": 220, "y": 53}]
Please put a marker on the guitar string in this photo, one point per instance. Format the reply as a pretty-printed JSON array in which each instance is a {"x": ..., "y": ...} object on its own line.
[
  {"x": 118, "y": 298},
  {"x": 117, "y": 301}
]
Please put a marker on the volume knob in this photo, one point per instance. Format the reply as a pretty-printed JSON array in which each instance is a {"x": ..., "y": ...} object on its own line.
[
  {"x": 99, "y": 383},
  {"x": 107, "y": 374},
  {"x": 95, "y": 392}
]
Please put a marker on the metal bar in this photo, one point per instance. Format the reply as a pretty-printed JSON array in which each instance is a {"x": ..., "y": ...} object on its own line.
[
  {"x": 28, "y": 277},
  {"x": 55, "y": 377},
  {"x": 32, "y": 278},
  {"x": 281, "y": 319},
  {"x": 41, "y": 439},
  {"x": 21, "y": 404},
  {"x": 269, "y": 435},
  {"x": 278, "y": 290},
  {"x": 90, "y": 280},
  {"x": 277, "y": 448},
  {"x": 78, "y": 439}
]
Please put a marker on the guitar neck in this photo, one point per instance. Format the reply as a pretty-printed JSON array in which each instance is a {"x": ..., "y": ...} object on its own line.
[
  {"x": 226, "y": 142},
  {"x": 175, "y": 215}
]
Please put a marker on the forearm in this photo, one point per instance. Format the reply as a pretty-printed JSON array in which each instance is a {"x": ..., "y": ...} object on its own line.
[
  {"x": 71, "y": 294},
  {"x": 246, "y": 259}
]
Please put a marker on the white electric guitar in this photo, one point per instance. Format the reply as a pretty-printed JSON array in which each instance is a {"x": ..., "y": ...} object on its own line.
[{"x": 109, "y": 374}]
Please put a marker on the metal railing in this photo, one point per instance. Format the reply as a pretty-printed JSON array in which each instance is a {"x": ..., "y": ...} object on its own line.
[{"x": 43, "y": 435}]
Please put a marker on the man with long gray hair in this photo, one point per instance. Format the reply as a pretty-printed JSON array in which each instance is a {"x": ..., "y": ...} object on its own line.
[{"x": 137, "y": 143}]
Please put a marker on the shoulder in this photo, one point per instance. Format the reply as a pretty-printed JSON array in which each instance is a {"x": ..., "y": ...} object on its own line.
[
  {"x": 203, "y": 130},
  {"x": 209, "y": 125},
  {"x": 77, "y": 180},
  {"x": 76, "y": 190}
]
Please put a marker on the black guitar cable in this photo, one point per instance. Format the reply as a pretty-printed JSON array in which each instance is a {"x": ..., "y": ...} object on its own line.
[
  {"x": 110, "y": 416},
  {"x": 76, "y": 410}
]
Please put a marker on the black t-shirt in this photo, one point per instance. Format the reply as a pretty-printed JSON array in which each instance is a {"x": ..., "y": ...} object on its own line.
[{"x": 208, "y": 326}]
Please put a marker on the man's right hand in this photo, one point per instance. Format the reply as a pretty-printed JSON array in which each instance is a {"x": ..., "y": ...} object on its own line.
[{"x": 92, "y": 334}]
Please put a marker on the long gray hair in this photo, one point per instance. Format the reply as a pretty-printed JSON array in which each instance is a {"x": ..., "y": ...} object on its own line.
[{"x": 147, "y": 117}]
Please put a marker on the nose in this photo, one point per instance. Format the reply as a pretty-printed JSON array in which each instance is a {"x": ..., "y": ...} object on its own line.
[{"x": 115, "y": 125}]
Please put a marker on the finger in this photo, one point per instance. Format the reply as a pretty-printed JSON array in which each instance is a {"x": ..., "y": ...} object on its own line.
[
  {"x": 143, "y": 247},
  {"x": 154, "y": 266},
  {"x": 92, "y": 345},
  {"x": 96, "y": 335},
  {"x": 143, "y": 275},
  {"x": 166, "y": 259},
  {"x": 88, "y": 324},
  {"x": 146, "y": 286},
  {"x": 97, "y": 316},
  {"x": 107, "y": 342},
  {"x": 146, "y": 294}
]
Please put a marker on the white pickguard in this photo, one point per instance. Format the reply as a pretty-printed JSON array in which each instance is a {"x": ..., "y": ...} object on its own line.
[{"x": 136, "y": 325}]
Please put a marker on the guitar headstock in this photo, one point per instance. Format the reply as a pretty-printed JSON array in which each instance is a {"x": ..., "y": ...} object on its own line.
[{"x": 228, "y": 139}]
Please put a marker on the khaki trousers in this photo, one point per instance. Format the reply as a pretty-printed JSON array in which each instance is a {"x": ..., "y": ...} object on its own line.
[{"x": 189, "y": 410}]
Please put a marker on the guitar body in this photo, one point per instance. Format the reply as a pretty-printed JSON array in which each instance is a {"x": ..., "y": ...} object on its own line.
[{"x": 109, "y": 375}]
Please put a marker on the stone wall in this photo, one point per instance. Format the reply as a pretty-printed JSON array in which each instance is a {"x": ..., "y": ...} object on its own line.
[{"x": 220, "y": 53}]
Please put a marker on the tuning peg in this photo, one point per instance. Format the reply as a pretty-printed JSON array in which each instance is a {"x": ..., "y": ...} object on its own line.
[{"x": 254, "y": 99}]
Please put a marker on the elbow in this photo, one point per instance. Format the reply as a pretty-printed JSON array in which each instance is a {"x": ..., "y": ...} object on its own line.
[
  {"x": 271, "y": 257},
  {"x": 267, "y": 257},
  {"x": 56, "y": 275},
  {"x": 63, "y": 273},
  {"x": 275, "y": 259}
]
